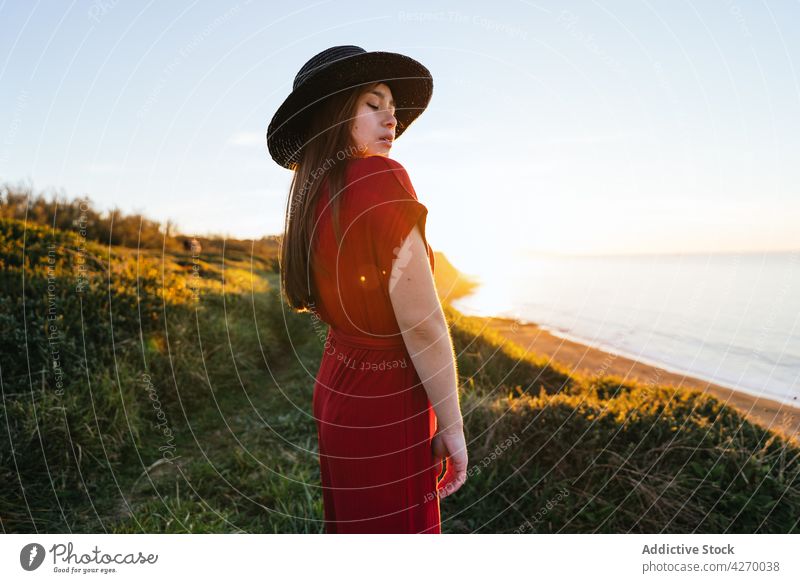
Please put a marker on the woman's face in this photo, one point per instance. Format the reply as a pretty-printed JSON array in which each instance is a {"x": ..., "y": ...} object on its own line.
[{"x": 374, "y": 125}]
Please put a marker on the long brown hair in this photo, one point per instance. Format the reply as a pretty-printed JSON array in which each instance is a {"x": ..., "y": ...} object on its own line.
[{"x": 325, "y": 155}]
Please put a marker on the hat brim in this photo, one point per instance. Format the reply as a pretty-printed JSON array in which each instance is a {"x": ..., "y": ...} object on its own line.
[{"x": 410, "y": 81}]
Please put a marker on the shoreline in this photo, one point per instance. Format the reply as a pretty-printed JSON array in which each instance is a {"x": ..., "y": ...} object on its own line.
[{"x": 579, "y": 357}]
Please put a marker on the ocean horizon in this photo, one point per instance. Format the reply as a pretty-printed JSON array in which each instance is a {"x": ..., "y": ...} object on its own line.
[{"x": 726, "y": 318}]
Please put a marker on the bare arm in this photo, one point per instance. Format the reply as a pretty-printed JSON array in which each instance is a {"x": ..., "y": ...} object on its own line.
[
  {"x": 427, "y": 337},
  {"x": 424, "y": 328}
]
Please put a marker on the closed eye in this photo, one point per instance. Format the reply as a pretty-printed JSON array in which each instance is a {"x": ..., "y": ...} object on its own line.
[{"x": 376, "y": 107}]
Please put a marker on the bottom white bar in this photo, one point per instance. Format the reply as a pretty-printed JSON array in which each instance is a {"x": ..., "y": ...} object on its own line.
[{"x": 400, "y": 557}]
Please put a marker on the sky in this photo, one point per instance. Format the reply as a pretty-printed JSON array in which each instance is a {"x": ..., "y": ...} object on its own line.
[{"x": 554, "y": 127}]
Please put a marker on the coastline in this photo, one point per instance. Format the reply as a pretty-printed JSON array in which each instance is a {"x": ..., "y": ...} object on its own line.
[{"x": 768, "y": 413}]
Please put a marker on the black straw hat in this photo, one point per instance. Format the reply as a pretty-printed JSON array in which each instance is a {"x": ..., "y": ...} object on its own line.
[{"x": 341, "y": 68}]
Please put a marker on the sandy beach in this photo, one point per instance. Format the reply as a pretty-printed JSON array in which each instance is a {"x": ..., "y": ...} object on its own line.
[{"x": 783, "y": 418}]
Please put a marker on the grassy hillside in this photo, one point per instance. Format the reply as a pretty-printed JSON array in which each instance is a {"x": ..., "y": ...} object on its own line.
[{"x": 150, "y": 392}]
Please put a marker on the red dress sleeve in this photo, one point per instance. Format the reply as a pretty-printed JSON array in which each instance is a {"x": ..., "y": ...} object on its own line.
[{"x": 392, "y": 210}]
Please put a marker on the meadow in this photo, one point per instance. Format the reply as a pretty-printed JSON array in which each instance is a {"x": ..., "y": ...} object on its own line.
[{"x": 154, "y": 388}]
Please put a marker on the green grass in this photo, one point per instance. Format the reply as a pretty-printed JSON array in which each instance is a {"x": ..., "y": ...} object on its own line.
[{"x": 233, "y": 372}]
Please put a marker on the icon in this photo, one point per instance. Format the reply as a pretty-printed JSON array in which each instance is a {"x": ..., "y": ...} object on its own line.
[{"x": 31, "y": 556}]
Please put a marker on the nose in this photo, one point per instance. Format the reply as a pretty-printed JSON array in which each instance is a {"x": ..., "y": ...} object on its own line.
[{"x": 391, "y": 123}]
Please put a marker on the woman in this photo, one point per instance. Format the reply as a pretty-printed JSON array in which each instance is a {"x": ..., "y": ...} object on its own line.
[{"x": 355, "y": 255}]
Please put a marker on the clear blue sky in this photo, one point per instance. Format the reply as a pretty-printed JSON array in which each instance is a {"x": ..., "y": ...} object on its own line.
[{"x": 584, "y": 127}]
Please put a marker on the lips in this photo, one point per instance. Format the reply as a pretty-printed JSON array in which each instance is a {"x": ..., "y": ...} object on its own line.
[{"x": 387, "y": 137}]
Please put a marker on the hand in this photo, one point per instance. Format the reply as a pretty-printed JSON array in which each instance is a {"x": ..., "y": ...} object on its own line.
[{"x": 450, "y": 444}]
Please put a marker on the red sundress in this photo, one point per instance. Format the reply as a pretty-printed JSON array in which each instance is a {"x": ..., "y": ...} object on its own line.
[{"x": 374, "y": 419}]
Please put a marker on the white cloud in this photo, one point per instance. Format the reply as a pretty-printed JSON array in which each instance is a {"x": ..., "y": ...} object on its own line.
[{"x": 247, "y": 139}]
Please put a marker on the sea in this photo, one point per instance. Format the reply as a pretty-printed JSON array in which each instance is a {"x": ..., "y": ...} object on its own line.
[{"x": 729, "y": 318}]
